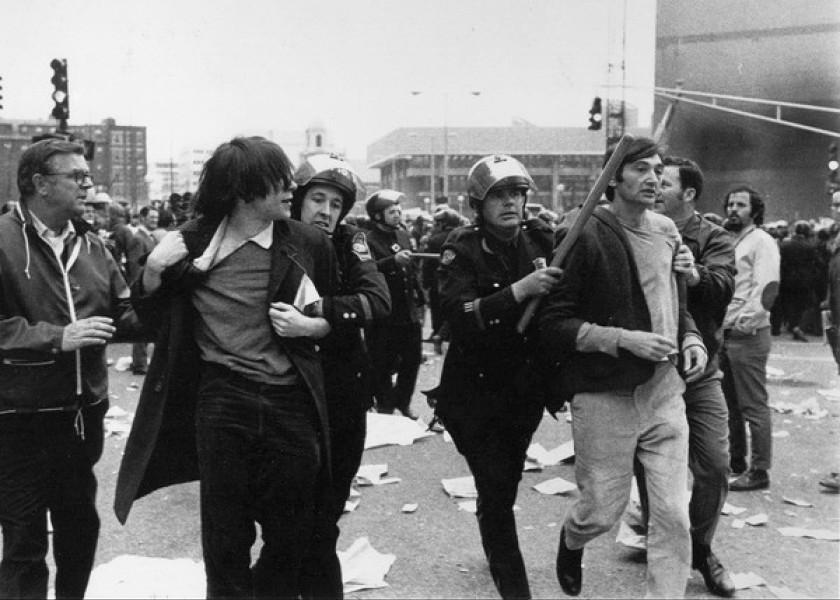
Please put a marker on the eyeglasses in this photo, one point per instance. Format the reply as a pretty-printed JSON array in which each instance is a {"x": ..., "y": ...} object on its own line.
[{"x": 79, "y": 176}]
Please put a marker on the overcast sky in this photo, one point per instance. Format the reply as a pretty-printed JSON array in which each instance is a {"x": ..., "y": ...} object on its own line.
[{"x": 197, "y": 72}]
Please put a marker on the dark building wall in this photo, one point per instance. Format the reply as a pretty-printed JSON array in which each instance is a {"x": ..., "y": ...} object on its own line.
[{"x": 783, "y": 51}]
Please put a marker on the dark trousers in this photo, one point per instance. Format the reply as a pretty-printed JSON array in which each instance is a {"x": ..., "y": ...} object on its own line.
[
  {"x": 789, "y": 307},
  {"x": 322, "y": 569},
  {"x": 259, "y": 461},
  {"x": 708, "y": 457},
  {"x": 45, "y": 465},
  {"x": 743, "y": 360},
  {"x": 495, "y": 449},
  {"x": 395, "y": 348}
]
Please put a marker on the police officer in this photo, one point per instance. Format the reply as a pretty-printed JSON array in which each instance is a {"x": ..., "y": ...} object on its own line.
[
  {"x": 491, "y": 395},
  {"x": 327, "y": 189},
  {"x": 395, "y": 342}
]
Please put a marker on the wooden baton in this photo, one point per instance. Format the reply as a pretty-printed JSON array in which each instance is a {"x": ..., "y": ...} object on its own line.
[{"x": 586, "y": 211}]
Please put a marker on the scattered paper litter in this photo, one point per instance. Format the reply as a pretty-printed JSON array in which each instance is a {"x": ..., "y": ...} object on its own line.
[
  {"x": 757, "y": 520},
  {"x": 814, "y": 534},
  {"x": 123, "y": 363},
  {"x": 393, "y": 430},
  {"x": 129, "y": 576},
  {"x": 550, "y": 458},
  {"x": 808, "y": 408},
  {"x": 468, "y": 506},
  {"x": 627, "y": 537},
  {"x": 351, "y": 505},
  {"x": 447, "y": 437},
  {"x": 557, "y": 485},
  {"x": 738, "y": 524},
  {"x": 796, "y": 502},
  {"x": 362, "y": 567},
  {"x": 373, "y": 475},
  {"x": 409, "y": 508},
  {"x": 354, "y": 493},
  {"x": 830, "y": 394},
  {"x": 774, "y": 373},
  {"x": 460, "y": 487},
  {"x": 531, "y": 464},
  {"x": 743, "y": 581},
  {"x": 780, "y": 434},
  {"x": 730, "y": 509},
  {"x": 117, "y": 421}
]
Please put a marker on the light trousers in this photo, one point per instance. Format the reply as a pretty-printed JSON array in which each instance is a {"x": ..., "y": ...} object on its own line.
[{"x": 610, "y": 429}]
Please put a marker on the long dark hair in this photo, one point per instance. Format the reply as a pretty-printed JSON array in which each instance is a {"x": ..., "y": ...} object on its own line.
[{"x": 245, "y": 167}]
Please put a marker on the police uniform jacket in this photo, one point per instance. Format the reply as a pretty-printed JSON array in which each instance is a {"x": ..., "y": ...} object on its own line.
[
  {"x": 161, "y": 448},
  {"x": 362, "y": 298},
  {"x": 403, "y": 285},
  {"x": 489, "y": 367}
]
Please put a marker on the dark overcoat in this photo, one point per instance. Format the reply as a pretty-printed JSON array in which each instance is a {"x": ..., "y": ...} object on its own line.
[{"x": 161, "y": 448}]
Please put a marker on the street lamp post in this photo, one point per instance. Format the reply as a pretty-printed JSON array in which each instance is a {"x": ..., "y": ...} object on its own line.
[{"x": 445, "y": 140}]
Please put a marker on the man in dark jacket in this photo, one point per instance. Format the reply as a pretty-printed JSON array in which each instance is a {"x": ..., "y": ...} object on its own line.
[
  {"x": 235, "y": 391},
  {"x": 707, "y": 260},
  {"x": 327, "y": 189},
  {"x": 395, "y": 342},
  {"x": 490, "y": 396},
  {"x": 61, "y": 295},
  {"x": 446, "y": 221},
  {"x": 798, "y": 280},
  {"x": 618, "y": 326}
]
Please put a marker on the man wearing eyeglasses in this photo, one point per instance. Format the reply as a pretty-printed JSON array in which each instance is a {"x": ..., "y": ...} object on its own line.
[{"x": 62, "y": 299}]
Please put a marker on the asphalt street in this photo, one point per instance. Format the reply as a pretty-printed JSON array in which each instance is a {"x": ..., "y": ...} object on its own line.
[{"x": 437, "y": 548}]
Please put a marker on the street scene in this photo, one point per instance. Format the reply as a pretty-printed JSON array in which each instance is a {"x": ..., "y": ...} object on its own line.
[
  {"x": 436, "y": 549},
  {"x": 319, "y": 299}
]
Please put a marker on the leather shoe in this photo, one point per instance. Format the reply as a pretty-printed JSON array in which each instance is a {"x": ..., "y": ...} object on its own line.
[
  {"x": 569, "y": 568},
  {"x": 754, "y": 479},
  {"x": 714, "y": 574}
]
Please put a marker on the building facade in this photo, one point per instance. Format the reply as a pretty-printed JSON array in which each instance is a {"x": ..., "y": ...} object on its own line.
[
  {"x": 563, "y": 161},
  {"x": 779, "y": 51},
  {"x": 118, "y": 166}
]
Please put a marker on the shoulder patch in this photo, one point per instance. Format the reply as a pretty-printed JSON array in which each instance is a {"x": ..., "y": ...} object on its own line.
[
  {"x": 447, "y": 257},
  {"x": 360, "y": 248}
]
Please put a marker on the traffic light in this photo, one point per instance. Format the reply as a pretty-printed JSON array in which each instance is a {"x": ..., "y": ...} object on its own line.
[
  {"x": 61, "y": 95},
  {"x": 596, "y": 114},
  {"x": 833, "y": 168}
]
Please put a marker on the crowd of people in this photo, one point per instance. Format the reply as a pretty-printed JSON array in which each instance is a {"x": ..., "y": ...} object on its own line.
[{"x": 280, "y": 317}]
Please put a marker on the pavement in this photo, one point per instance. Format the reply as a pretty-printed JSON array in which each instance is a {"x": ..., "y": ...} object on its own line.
[{"x": 437, "y": 547}]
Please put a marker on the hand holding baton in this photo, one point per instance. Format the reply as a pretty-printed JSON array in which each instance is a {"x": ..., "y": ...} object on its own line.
[{"x": 586, "y": 211}]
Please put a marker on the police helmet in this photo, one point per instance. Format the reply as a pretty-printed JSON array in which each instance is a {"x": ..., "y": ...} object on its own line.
[
  {"x": 330, "y": 170},
  {"x": 379, "y": 201},
  {"x": 496, "y": 171}
]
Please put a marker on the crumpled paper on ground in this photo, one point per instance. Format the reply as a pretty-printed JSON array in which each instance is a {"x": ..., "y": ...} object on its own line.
[
  {"x": 557, "y": 485},
  {"x": 117, "y": 421},
  {"x": 460, "y": 487},
  {"x": 814, "y": 534},
  {"x": 373, "y": 475},
  {"x": 627, "y": 536},
  {"x": 362, "y": 567},
  {"x": 809, "y": 408},
  {"x": 743, "y": 581},
  {"x": 130, "y": 576},
  {"x": 123, "y": 364},
  {"x": 548, "y": 458},
  {"x": 393, "y": 430}
]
